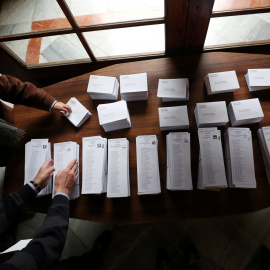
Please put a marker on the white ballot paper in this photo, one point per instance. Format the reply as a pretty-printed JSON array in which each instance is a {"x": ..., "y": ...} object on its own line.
[
  {"x": 79, "y": 113},
  {"x": 173, "y": 118},
  {"x": 64, "y": 153},
  {"x": 113, "y": 116},
  {"x": 243, "y": 112},
  {"x": 173, "y": 89},
  {"x": 103, "y": 87},
  {"x": 118, "y": 168},
  {"x": 221, "y": 82},
  {"x": 178, "y": 161},
  {"x": 18, "y": 246},
  {"x": 37, "y": 152},
  {"x": 94, "y": 166},
  {"x": 209, "y": 114},
  {"x": 134, "y": 87},
  {"x": 147, "y": 165},
  {"x": 211, "y": 173},
  {"x": 258, "y": 79},
  {"x": 264, "y": 140},
  {"x": 239, "y": 158}
]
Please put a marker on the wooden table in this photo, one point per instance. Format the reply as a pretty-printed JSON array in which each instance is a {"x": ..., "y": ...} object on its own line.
[{"x": 167, "y": 206}]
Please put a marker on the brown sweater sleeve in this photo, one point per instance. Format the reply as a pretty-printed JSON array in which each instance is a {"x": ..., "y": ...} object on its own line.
[{"x": 15, "y": 91}]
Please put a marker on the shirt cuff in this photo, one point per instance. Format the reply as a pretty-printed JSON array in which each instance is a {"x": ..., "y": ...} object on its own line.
[
  {"x": 52, "y": 105},
  {"x": 33, "y": 187},
  {"x": 62, "y": 193}
]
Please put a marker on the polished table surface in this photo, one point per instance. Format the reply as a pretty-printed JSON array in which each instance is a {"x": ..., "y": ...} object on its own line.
[{"x": 169, "y": 205}]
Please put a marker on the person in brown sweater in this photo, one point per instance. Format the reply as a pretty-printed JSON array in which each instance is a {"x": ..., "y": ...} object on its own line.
[{"x": 17, "y": 92}]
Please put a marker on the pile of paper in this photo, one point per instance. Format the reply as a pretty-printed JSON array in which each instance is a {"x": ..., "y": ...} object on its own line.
[
  {"x": 173, "y": 89},
  {"x": 113, "y": 116},
  {"x": 79, "y": 113},
  {"x": 209, "y": 114},
  {"x": 134, "y": 87},
  {"x": 211, "y": 172},
  {"x": 258, "y": 79},
  {"x": 221, "y": 82},
  {"x": 103, "y": 87},
  {"x": 173, "y": 118},
  {"x": 264, "y": 140},
  {"x": 64, "y": 153},
  {"x": 178, "y": 161},
  {"x": 94, "y": 165},
  {"x": 147, "y": 165},
  {"x": 239, "y": 158},
  {"x": 118, "y": 168},
  {"x": 37, "y": 152},
  {"x": 243, "y": 112}
]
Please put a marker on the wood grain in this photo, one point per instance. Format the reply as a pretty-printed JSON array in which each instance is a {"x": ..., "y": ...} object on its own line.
[{"x": 144, "y": 120}]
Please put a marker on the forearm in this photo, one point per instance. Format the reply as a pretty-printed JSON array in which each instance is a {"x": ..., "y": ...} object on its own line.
[
  {"x": 15, "y": 91},
  {"x": 12, "y": 206},
  {"x": 45, "y": 249}
]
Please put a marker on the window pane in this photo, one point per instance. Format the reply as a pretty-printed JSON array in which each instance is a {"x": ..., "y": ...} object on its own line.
[
  {"x": 17, "y": 17},
  {"x": 125, "y": 41},
  {"x": 92, "y": 12},
  {"x": 221, "y": 5},
  {"x": 48, "y": 49},
  {"x": 234, "y": 29}
]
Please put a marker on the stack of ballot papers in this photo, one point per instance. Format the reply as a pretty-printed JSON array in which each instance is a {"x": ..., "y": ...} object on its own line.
[
  {"x": 37, "y": 152},
  {"x": 64, "y": 153},
  {"x": 113, "y": 116},
  {"x": 258, "y": 79},
  {"x": 243, "y": 112},
  {"x": 173, "y": 118},
  {"x": 264, "y": 140},
  {"x": 134, "y": 87},
  {"x": 221, "y": 82},
  {"x": 79, "y": 113},
  {"x": 173, "y": 89},
  {"x": 239, "y": 158},
  {"x": 178, "y": 161},
  {"x": 209, "y": 114},
  {"x": 94, "y": 165},
  {"x": 103, "y": 87},
  {"x": 147, "y": 165},
  {"x": 118, "y": 168},
  {"x": 211, "y": 172}
]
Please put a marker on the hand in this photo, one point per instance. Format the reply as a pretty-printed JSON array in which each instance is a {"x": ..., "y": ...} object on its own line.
[
  {"x": 44, "y": 173},
  {"x": 61, "y": 108},
  {"x": 66, "y": 179}
]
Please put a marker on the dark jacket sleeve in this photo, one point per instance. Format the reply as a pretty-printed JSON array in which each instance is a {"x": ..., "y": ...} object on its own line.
[
  {"x": 12, "y": 206},
  {"x": 15, "y": 91},
  {"x": 44, "y": 251}
]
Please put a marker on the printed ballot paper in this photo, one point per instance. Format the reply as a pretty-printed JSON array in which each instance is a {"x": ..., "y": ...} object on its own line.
[
  {"x": 103, "y": 87},
  {"x": 118, "y": 168},
  {"x": 113, "y": 116},
  {"x": 239, "y": 158},
  {"x": 264, "y": 140},
  {"x": 147, "y": 165},
  {"x": 211, "y": 172},
  {"x": 173, "y": 118},
  {"x": 134, "y": 87},
  {"x": 209, "y": 114},
  {"x": 243, "y": 112},
  {"x": 37, "y": 152},
  {"x": 94, "y": 165},
  {"x": 64, "y": 153},
  {"x": 221, "y": 82},
  {"x": 79, "y": 113},
  {"x": 173, "y": 89},
  {"x": 178, "y": 161},
  {"x": 258, "y": 79}
]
